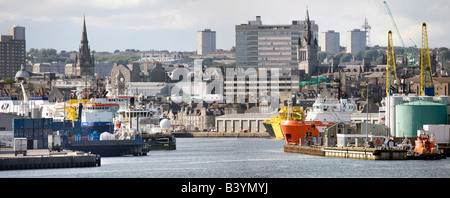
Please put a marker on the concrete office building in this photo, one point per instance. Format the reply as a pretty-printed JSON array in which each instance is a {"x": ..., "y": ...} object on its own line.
[
  {"x": 330, "y": 42},
  {"x": 12, "y": 52},
  {"x": 259, "y": 45},
  {"x": 356, "y": 41},
  {"x": 206, "y": 41}
]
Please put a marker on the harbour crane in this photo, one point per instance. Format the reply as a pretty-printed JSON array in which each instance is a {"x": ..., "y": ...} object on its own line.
[
  {"x": 426, "y": 74},
  {"x": 410, "y": 56},
  {"x": 391, "y": 74}
]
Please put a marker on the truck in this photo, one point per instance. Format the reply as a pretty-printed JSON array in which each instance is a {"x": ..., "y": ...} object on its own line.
[
  {"x": 54, "y": 143},
  {"x": 20, "y": 146}
]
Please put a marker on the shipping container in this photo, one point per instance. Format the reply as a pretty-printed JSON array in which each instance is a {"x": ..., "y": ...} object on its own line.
[
  {"x": 27, "y": 123},
  {"x": 440, "y": 133},
  {"x": 17, "y": 124},
  {"x": 18, "y": 133},
  {"x": 48, "y": 122},
  {"x": 38, "y": 123},
  {"x": 20, "y": 146},
  {"x": 54, "y": 143}
]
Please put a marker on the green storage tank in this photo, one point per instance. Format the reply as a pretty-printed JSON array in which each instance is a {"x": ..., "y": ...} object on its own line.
[{"x": 410, "y": 117}]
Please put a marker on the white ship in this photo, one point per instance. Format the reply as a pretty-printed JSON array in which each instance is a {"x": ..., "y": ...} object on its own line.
[{"x": 331, "y": 110}]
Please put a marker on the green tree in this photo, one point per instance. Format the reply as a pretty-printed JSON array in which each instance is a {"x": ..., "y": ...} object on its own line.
[
  {"x": 359, "y": 56},
  {"x": 346, "y": 57},
  {"x": 321, "y": 56}
]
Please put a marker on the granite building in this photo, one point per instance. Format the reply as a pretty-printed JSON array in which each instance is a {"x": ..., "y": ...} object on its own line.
[
  {"x": 12, "y": 52},
  {"x": 307, "y": 49},
  {"x": 259, "y": 45},
  {"x": 84, "y": 61}
]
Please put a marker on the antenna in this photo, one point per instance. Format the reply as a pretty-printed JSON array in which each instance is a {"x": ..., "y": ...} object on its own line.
[{"x": 366, "y": 27}]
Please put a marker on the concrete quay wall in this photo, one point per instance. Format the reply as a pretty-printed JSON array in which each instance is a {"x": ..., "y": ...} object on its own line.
[
  {"x": 221, "y": 134},
  {"x": 354, "y": 153}
]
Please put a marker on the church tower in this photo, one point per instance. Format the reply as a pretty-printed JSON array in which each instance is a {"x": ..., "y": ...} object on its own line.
[
  {"x": 307, "y": 49},
  {"x": 84, "y": 62}
]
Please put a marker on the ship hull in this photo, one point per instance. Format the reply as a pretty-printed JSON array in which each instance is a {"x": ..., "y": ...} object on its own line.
[
  {"x": 157, "y": 142},
  {"x": 296, "y": 131},
  {"x": 269, "y": 129},
  {"x": 109, "y": 148},
  {"x": 277, "y": 130}
]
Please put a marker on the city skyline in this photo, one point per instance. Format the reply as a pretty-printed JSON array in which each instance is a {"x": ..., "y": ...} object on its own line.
[{"x": 173, "y": 25}]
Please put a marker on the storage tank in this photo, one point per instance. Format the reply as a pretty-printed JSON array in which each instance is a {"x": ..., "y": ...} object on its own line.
[
  {"x": 394, "y": 102},
  {"x": 411, "y": 116}
]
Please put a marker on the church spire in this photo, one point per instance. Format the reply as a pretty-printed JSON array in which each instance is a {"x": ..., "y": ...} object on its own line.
[
  {"x": 307, "y": 33},
  {"x": 84, "y": 34}
]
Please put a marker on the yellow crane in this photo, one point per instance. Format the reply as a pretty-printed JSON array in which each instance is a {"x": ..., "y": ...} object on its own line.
[
  {"x": 391, "y": 73},
  {"x": 426, "y": 74}
]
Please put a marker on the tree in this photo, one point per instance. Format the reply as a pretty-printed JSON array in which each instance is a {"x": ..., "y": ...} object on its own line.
[
  {"x": 321, "y": 56},
  {"x": 359, "y": 56},
  {"x": 9, "y": 81},
  {"x": 346, "y": 57}
]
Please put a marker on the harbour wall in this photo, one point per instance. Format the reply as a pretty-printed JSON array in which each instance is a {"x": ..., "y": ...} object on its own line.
[
  {"x": 348, "y": 152},
  {"x": 10, "y": 162},
  {"x": 220, "y": 135}
]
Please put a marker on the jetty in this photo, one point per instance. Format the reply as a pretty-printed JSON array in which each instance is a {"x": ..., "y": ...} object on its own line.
[{"x": 42, "y": 158}]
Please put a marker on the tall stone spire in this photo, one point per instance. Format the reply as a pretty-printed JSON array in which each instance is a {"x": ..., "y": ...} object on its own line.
[
  {"x": 307, "y": 33},
  {"x": 84, "y": 61},
  {"x": 84, "y": 39}
]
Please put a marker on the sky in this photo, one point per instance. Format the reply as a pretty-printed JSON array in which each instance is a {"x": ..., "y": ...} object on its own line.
[{"x": 173, "y": 24}]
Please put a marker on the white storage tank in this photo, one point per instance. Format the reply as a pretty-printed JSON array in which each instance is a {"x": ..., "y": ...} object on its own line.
[{"x": 394, "y": 101}]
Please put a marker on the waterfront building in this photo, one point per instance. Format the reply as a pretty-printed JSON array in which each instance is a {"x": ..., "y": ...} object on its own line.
[
  {"x": 206, "y": 42},
  {"x": 259, "y": 45},
  {"x": 12, "y": 51},
  {"x": 356, "y": 41},
  {"x": 84, "y": 60},
  {"x": 330, "y": 42}
]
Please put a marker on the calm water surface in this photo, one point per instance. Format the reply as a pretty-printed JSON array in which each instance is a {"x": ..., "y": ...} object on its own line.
[{"x": 241, "y": 158}]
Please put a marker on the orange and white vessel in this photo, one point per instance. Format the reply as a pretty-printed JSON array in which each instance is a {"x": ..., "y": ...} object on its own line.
[{"x": 325, "y": 112}]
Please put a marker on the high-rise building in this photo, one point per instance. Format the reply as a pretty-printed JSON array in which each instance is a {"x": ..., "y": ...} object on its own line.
[
  {"x": 330, "y": 42},
  {"x": 356, "y": 41},
  {"x": 18, "y": 32},
  {"x": 12, "y": 52},
  {"x": 84, "y": 61},
  {"x": 259, "y": 45},
  {"x": 206, "y": 41}
]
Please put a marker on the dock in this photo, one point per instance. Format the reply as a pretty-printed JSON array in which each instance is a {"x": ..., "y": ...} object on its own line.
[
  {"x": 221, "y": 134},
  {"x": 42, "y": 159},
  {"x": 349, "y": 152}
]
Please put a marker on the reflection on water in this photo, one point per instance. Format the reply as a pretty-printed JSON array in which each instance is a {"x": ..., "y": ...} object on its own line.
[{"x": 241, "y": 158}]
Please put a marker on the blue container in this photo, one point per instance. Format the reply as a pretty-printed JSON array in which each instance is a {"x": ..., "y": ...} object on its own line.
[
  {"x": 48, "y": 122},
  {"x": 18, "y": 133},
  {"x": 38, "y": 133},
  {"x": 17, "y": 124},
  {"x": 57, "y": 125},
  {"x": 27, "y": 123},
  {"x": 38, "y": 123},
  {"x": 28, "y": 133}
]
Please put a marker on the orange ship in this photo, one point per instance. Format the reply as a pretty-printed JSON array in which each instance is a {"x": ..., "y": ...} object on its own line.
[
  {"x": 425, "y": 145},
  {"x": 294, "y": 131}
]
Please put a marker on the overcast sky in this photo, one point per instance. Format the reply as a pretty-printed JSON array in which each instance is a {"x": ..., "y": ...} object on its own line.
[{"x": 173, "y": 24}]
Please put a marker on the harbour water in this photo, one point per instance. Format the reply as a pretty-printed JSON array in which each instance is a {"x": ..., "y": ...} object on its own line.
[{"x": 241, "y": 158}]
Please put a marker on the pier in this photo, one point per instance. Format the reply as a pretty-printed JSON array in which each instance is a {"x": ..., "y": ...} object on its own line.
[
  {"x": 221, "y": 134},
  {"x": 349, "y": 152},
  {"x": 42, "y": 158}
]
